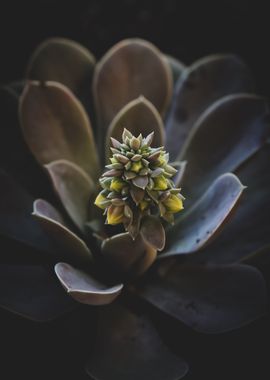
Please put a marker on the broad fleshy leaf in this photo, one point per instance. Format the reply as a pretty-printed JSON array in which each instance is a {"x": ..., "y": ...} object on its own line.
[
  {"x": 131, "y": 68},
  {"x": 249, "y": 227},
  {"x": 32, "y": 292},
  {"x": 128, "y": 347},
  {"x": 176, "y": 66},
  {"x": 83, "y": 287},
  {"x": 75, "y": 189},
  {"x": 201, "y": 222},
  {"x": 210, "y": 299},
  {"x": 50, "y": 219},
  {"x": 21, "y": 165},
  {"x": 16, "y": 220},
  {"x": 56, "y": 126},
  {"x": 62, "y": 60},
  {"x": 138, "y": 116},
  {"x": 228, "y": 133},
  {"x": 206, "y": 81},
  {"x": 128, "y": 255},
  {"x": 153, "y": 232}
]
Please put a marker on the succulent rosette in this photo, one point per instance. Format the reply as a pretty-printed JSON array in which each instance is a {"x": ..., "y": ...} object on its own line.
[{"x": 116, "y": 140}]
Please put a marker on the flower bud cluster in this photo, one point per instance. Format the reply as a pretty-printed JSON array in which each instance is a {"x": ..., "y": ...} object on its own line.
[{"x": 138, "y": 182}]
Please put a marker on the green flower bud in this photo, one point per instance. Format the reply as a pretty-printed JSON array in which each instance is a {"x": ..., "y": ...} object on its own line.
[
  {"x": 117, "y": 185},
  {"x": 100, "y": 201},
  {"x": 160, "y": 183},
  {"x": 173, "y": 204},
  {"x": 136, "y": 166}
]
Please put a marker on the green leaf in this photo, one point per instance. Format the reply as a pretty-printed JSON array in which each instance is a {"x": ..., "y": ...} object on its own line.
[
  {"x": 84, "y": 288},
  {"x": 138, "y": 116},
  {"x": 192, "y": 231},
  {"x": 74, "y": 188},
  {"x": 56, "y": 126},
  {"x": 53, "y": 223},
  {"x": 204, "y": 82},
  {"x": 128, "y": 347},
  {"x": 209, "y": 299},
  {"x": 228, "y": 134},
  {"x": 131, "y": 68},
  {"x": 62, "y": 60}
]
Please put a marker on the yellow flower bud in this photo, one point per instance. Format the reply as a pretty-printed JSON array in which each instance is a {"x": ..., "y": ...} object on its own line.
[
  {"x": 98, "y": 201},
  {"x": 136, "y": 166},
  {"x": 115, "y": 214},
  {"x": 117, "y": 185},
  {"x": 173, "y": 203},
  {"x": 160, "y": 183},
  {"x": 161, "y": 160},
  {"x": 143, "y": 205}
]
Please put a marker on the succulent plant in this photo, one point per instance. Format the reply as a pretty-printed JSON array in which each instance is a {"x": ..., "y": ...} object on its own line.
[{"x": 143, "y": 104}]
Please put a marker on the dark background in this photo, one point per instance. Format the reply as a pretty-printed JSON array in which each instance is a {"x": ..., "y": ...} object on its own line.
[{"x": 187, "y": 29}]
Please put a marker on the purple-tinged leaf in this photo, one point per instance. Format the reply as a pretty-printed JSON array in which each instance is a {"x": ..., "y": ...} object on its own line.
[
  {"x": 74, "y": 188},
  {"x": 128, "y": 347},
  {"x": 210, "y": 299},
  {"x": 53, "y": 223},
  {"x": 138, "y": 116},
  {"x": 131, "y": 68},
  {"x": 153, "y": 232},
  {"x": 56, "y": 126},
  {"x": 84, "y": 288},
  {"x": 248, "y": 229},
  {"x": 62, "y": 60},
  {"x": 16, "y": 220},
  {"x": 32, "y": 292},
  {"x": 200, "y": 85},
  {"x": 201, "y": 222},
  {"x": 226, "y": 135}
]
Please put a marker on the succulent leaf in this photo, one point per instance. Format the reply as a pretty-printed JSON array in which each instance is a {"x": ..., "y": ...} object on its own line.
[
  {"x": 131, "y": 68},
  {"x": 206, "y": 81},
  {"x": 21, "y": 165},
  {"x": 15, "y": 210},
  {"x": 248, "y": 229},
  {"x": 56, "y": 126},
  {"x": 50, "y": 219},
  {"x": 138, "y": 116},
  {"x": 128, "y": 255},
  {"x": 202, "y": 221},
  {"x": 62, "y": 60},
  {"x": 126, "y": 354},
  {"x": 177, "y": 67},
  {"x": 209, "y": 299},
  {"x": 74, "y": 188},
  {"x": 32, "y": 292},
  {"x": 153, "y": 232},
  {"x": 228, "y": 134},
  {"x": 83, "y": 287}
]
